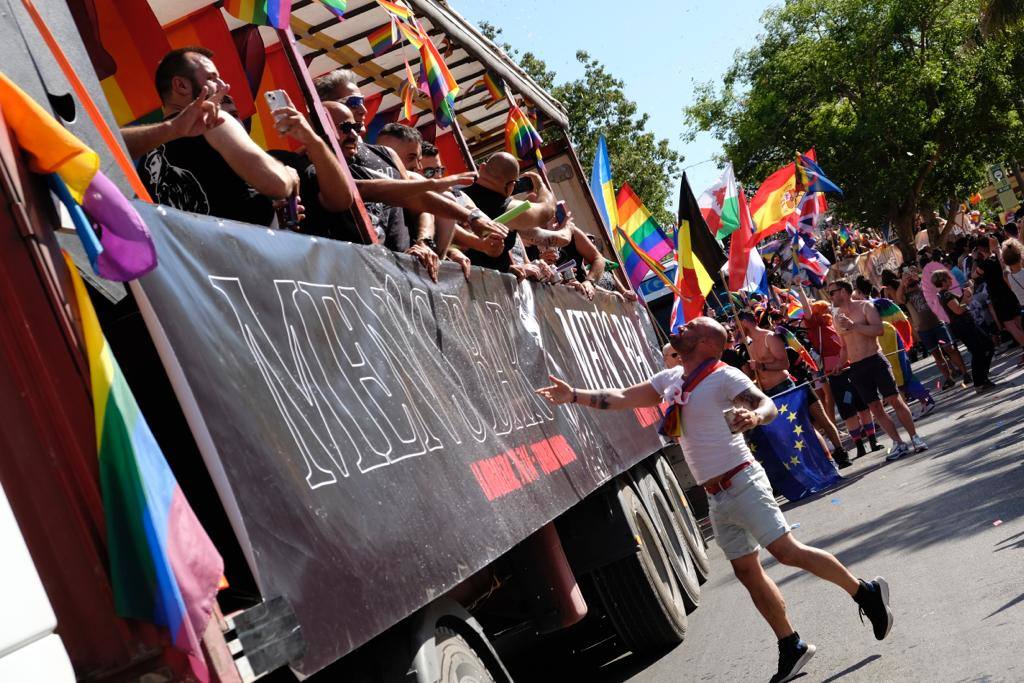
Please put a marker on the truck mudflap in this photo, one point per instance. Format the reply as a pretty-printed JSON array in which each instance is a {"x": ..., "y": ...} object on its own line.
[{"x": 373, "y": 436}]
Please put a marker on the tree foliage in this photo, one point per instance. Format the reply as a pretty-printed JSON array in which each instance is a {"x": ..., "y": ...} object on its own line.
[
  {"x": 906, "y": 101},
  {"x": 597, "y": 105}
]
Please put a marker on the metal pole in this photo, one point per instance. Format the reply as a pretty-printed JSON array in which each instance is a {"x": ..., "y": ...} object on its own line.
[
  {"x": 324, "y": 127},
  {"x": 459, "y": 138}
]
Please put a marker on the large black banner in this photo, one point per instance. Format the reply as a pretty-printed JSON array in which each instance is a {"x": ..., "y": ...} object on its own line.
[{"x": 374, "y": 435}]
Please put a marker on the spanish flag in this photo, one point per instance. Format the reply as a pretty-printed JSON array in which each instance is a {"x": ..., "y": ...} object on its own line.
[{"x": 775, "y": 204}]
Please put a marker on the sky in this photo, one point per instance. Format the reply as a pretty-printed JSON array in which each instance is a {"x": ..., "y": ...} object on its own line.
[{"x": 661, "y": 51}]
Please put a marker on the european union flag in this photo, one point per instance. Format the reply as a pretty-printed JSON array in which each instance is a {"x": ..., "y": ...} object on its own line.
[
  {"x": 789, "y": 449},
  {"x": 810, "y": 177}
]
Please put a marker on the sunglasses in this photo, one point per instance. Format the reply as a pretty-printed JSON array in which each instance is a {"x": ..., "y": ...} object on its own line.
[
  {"x": 432, "y": 171},
  {"x": 353, "y": 102},
  {"x": 348, "y": 127}
]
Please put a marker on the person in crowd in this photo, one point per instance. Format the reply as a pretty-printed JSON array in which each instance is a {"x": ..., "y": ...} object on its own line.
[
  {"x": 853, "y": 411},
  {"x": 860, "y": 326},
  {"x": 670, "y": 356},
  {"x": 823, "y": 338},
  {"x": 929, "y": 263},
  {"x": 890, "y": 283},
  {"x": 589, "y": 263},
  {"x": 492, "y": 196},
  {"x": 1011, "y": 254},
  {"x": 211, "y": 165},
  {"x": 988, "y": 269},
  {"x": 405, "y": 141},
  {"x": 341, "y": 86},
  {"x": 949, "y": 263},
  {"x": 322, "y": 184},
  {"x": 432, "y": 167},
  {"x": 771, "y": 364},
  {"x": 386, "y": 190},
  {"x": 743, "y": 510},
  {"x": 965, "y": 329},
  {"x": 866, "y": 288},
  {"x": 930, "y": 330},
  {"x": 895, "y": 352}
]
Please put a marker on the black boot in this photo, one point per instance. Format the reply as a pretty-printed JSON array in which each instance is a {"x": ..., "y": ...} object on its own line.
[
  {"x": 841, "y": 457},
  {"x": 860, "y": 448},
  {"x": 874, "y": 444}
]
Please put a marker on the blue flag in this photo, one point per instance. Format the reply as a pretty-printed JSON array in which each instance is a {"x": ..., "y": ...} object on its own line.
[
  {"x": 810, "y": 177},
  {"x": 790, "y": 451}
]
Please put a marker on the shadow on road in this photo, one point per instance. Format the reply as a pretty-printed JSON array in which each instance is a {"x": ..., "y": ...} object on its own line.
[
  {"x": 850, "y": 669},
  {"x": 1015, "y": 601}
]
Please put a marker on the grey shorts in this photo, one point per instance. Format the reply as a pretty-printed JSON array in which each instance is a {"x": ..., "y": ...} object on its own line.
[{"x": 745, "y": 516}]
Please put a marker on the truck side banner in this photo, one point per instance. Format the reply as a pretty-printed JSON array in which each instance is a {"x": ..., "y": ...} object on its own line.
[{"x": 375, "y": 436}]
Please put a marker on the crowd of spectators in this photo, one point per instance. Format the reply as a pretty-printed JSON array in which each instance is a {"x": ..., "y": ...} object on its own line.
[{"x": 200, "y": 158}]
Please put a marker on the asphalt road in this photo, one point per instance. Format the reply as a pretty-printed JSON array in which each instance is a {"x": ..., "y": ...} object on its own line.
[{"x": 945, "y": 527}]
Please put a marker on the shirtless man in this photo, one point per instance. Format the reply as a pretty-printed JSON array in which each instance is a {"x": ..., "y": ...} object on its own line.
[
  {"x": 860, "y": 326},
  {"x": 770, "y": 363}
]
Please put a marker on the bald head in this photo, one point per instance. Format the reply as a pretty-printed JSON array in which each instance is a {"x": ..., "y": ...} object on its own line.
[
  {"x": 670, "y": 356},
  {"x": 499, "y": 172},
  {"x": 698, "y": 340}
]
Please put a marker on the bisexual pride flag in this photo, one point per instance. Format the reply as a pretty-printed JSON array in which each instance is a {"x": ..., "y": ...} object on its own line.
[{"x": 790, "y": 451}]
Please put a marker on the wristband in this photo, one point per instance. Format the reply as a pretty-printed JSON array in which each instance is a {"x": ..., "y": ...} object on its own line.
[{"x": 573, "y": 395}]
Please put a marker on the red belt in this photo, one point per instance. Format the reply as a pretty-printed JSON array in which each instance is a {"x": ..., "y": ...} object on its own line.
[{"x": 725, "y": 482}]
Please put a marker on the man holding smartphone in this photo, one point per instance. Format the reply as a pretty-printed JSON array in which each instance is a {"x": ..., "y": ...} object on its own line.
[
  {"x": 491, "y": 194},
  {"x": 743, "y": 510}
]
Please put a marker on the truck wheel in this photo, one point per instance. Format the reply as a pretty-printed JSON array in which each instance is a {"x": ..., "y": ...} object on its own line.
[
  {"x": 460, "y": 663},
  {"x": 640, "y": 593},
  {"x": 687, "y": 522},
  {"x": 671, "y": 534}
]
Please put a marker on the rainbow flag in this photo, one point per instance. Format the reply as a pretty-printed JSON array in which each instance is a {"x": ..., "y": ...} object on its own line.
[
  {"x": 601, "y": 186},
  {"x": 844, "y": 235},
  {"x": 133, "y": 44},
  {"x": 336, "y": 7},
  {"x": 440, "y": 83},
  {"x": 894, "y": 315},
  {"x": 408, "y": 92},
  {"x": 494, "y": 85},
  {"x": 411, "y": 33},
  {"x": 521, "y": 138},
  {"x": 276, "y": 13},
  {"x": 164, "y": 569},
  {"x": 383, "y": 38},
  {"x": 124, "y": 251},
  {"x": 640, "y": 241},
  {"x": 397, "y": 8},
  {"x": 794, "y": 343}
]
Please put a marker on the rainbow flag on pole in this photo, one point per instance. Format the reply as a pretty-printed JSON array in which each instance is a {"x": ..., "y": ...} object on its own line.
[
  {"x": 396, "y": 8},
  {"x": 164, "y": 568},
  {"x": 521, "y": 138},
  {"x": 640, "y": 241},
  {"x": 276, "y": 13},
  {"x": 440, "y": 83},
  {"x": 601, "y": 186},
  {"x": 383, "y": 38}
]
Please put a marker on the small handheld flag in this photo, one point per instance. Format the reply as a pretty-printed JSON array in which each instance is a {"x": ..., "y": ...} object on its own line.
[
  {"x": 521, "y": 138},
  {"x": 276, "y": 13},
  {"x": 810, "y": 178}
]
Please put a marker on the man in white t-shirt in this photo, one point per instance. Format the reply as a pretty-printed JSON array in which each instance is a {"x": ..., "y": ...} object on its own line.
[{"x": 744, "y": 514}]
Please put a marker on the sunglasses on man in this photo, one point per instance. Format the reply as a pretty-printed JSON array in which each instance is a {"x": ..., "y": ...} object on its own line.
[
  {"x": 348, "y": 127},
  {"x": 433, "y": 172},
  {"x": 353, "y": 102}
]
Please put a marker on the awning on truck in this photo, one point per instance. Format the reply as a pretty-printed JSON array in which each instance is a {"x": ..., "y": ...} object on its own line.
[{"x": 328, "y": 43}]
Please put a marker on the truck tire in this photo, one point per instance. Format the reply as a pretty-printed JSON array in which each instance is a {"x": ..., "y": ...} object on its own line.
[
  {"x": 667, "y": 521},
  {"x": 459, "y": 662},
  {"x": 687, "y": 522},
  {"x": 640, "y": 593}
]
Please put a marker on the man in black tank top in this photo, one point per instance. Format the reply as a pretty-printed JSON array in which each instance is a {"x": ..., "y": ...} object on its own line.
[{"x": 215, "y": 169}]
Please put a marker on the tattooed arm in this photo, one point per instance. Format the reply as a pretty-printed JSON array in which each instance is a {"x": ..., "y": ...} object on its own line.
[
  {"x": 753, "y": 408},
  {"x": 637, "y": 396}
]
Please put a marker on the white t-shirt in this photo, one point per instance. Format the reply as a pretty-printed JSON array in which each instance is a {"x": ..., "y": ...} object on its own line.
[
  {"x": 1016, "y": 281},
  {"x": 709, "y": 447}
]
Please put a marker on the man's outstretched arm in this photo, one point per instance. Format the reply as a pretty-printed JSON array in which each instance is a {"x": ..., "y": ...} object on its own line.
[{"x": 637, "y": 396}]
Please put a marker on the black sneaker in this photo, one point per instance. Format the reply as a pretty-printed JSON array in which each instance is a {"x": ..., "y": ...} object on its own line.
[
  {"x": 873, "y": 599},
  {"x": 793, "y": 655},
  {"x": 841, "y": 458}
]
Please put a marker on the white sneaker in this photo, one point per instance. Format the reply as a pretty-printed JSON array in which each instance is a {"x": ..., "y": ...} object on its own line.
[
  {"x": 918, "y": 444},
  {"x": 897, "y": 451}
]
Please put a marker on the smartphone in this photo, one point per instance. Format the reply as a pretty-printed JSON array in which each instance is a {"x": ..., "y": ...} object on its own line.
[
  {"x": 524, "y": 184},
  {"x": 277, "y": 99},
  {"x": 560, "y": 213}
]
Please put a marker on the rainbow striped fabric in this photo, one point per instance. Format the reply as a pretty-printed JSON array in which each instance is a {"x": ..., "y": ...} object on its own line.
[
  {"x": 408, "y": 92},
  {"x": 276, "y": 13},
  {"x": 894, "y": 315},
  {"x": 794, "y": 343},
  {"x": 521, "y": 138},
  {"x": 337, "y": 7},
  {"x": 383, "y": 38},
  {"x": 601, "y": 185},
  {"x": 640, "y": 241},
  {"x": 164, "y": 568},
  {"x": 411, "y": 33},
  {"x": 125, "y": 250},
  {"x": 440, "y": 83},
  {"x": 397, "y": 8}
]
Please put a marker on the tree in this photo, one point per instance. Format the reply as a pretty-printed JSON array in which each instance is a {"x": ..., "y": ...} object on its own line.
[
  {"x": 903, "y": 100},
  {"x": 596, "y": 104}
]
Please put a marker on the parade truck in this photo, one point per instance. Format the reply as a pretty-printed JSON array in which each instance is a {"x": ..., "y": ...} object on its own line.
[{"x": 363, "y": 446}]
